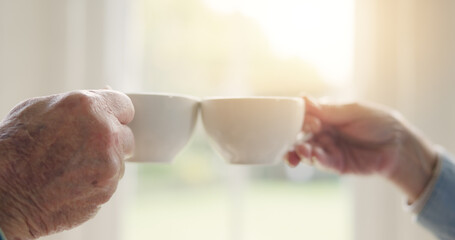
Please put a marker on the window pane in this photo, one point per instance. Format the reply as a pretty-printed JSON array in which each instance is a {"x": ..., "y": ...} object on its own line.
[{"x": 249, "y": 47}]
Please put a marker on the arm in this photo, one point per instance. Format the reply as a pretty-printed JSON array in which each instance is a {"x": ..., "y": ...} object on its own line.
[{"x": 362, "y": 138}]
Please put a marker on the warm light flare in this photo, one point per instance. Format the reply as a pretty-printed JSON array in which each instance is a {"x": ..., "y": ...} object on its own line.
[{"x": 320, "y": 32}]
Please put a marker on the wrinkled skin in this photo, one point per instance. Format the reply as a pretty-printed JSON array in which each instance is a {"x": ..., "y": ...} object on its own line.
[
  {"x": 361, "y": 138},
  {"x": 61, "y": 158}
]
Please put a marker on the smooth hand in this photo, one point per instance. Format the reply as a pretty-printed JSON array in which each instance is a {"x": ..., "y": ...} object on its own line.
[
  {"x": 61, "y": 157},
  {"x": 366, "y": 139}
]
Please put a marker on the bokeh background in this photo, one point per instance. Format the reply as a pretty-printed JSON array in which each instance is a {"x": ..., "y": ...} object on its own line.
[{"x": 398, "y": 53}]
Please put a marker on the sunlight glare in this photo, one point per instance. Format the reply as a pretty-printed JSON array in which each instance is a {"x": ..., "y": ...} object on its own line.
[{"x": 318, "y": 31}]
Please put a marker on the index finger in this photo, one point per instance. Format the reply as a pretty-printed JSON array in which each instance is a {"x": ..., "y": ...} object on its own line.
[
  {"x": 118, "y": 103},
  {"x": 334, "y": 113}
]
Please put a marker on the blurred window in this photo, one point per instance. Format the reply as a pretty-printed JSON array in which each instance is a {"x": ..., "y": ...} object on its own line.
[{"x": 242, "y": 47}]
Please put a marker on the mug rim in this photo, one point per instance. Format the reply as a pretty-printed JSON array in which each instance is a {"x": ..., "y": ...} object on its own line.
[{"x": 221, "y": 98}]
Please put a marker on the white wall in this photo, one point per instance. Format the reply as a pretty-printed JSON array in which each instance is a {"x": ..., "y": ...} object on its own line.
[
  {"x": 52, "y": 46},
  {"x": 405, "y": 58}
]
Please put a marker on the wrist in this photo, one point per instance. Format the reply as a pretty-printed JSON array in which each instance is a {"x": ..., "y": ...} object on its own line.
[
  {"x": 415, "y": 163},
  {"x": 13, "y": 221}
]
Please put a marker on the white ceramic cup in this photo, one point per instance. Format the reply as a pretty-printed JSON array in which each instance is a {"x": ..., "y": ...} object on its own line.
[
  {"x": 253, "y": 130},
  {"x": 162, "y": 125}
]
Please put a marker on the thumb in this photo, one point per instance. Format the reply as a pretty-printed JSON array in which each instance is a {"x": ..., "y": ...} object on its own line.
[{"x": 334, "y": 113}]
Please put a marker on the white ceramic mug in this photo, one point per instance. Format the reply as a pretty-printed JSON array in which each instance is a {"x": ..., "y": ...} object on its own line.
[
  {"x": 162, "y": 125},
  {"x": 253, "y": 130}
]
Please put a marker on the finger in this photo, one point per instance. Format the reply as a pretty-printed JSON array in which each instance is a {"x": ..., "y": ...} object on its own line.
[
  {"x": 122, "y": 170},
  {"x": 311, "y": 104},
  {"x": 335, "y": 150},
  {"x": 126, "y": 141},
  {"x": 334, "y": 113},
  {"x": 119, "y": 104},
  {"x": 303, "y": 150},
  {"x": 326, "y": 141},
  {"x": 311, "y": 124},
  {"x": 292, "y": 159},
  {"x": 321, "y": 156},
  {"x": 329, "y": 154}
]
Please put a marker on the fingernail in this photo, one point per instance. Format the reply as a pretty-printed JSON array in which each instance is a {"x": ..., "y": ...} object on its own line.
[{"x": 288, "y": 157}]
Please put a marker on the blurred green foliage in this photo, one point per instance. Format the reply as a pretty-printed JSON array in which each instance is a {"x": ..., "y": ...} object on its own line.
[{"x": 263, "y": 210}]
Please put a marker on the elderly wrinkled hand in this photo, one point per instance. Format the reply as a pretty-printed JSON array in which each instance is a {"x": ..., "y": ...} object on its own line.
[
  {"x": 362, "y": 138},
  {"x": 61, "y": 158}
]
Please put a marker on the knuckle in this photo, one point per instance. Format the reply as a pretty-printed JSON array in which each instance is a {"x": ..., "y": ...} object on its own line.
[
  {"x": 113, "y": 138},
  {"x": 104, "y": 198},
  {"x": 110, "y": 168},
  {"x": 105, "y": 142},
  {"x": 109, "y": 135},
  {"x": 354, "y": 105},
  {"x": 78, "y": 99},
  {"x": 106, "y": 194}
]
